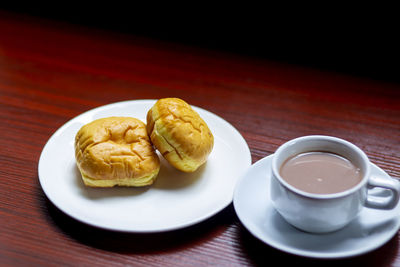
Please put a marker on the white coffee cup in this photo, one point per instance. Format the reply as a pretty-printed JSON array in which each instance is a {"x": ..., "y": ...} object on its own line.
[{"x": 323, "y": 213}]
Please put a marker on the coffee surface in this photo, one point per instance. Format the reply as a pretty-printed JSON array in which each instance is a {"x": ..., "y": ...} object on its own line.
[{"x": 320, "y": 173}]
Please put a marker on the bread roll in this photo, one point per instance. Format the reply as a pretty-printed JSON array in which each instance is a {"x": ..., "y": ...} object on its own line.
[
  {"x": 179, "y": 133},
  {"x": 116, "y": 151}
]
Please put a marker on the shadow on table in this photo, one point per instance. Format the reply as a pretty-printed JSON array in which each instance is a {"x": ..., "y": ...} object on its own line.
[
  {"x": 132, "y": 243},
  {"x": 248, "y": 249},
  {"x": 261, "y": 254}
]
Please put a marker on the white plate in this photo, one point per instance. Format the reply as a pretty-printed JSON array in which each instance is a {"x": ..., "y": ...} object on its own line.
[
  {"x": 174, "y": 201},
  {"x": 371, "y": 229}
]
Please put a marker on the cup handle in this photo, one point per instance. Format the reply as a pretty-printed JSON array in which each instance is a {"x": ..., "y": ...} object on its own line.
[{"x": 379, "y": 202}]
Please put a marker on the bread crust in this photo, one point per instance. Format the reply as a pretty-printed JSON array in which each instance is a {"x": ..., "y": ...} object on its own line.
[
  {"x": 116, "y": 151},
  {"x": 179, "y": 133}
]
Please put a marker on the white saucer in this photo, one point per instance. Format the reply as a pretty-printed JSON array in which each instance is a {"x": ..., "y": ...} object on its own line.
[
  {"x": 174, "y": 201},
  {"x": 370, "y": 230}
]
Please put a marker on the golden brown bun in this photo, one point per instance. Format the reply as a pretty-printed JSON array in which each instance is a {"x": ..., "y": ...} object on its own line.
[
  {"x": 116, "y": 151},
  {"x": 178, "y": 132}
]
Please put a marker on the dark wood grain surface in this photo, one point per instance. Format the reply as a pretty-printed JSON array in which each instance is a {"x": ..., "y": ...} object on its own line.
[{"x": 51, "y": 72}]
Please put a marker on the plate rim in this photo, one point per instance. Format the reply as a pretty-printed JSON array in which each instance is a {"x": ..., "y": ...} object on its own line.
[
  {"x": 247, "y": 162},
  {"x": 296, "y": 251}
]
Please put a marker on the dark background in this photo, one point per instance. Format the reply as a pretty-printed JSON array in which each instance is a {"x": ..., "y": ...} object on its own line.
[{"x": 356, "y": 41}]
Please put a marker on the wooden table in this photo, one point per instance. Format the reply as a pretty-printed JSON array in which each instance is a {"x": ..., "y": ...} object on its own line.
[{"x": 51, "y": 72}]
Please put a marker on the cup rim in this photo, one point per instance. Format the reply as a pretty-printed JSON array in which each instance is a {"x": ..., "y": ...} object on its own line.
[{"x": 349, "y": 191}]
